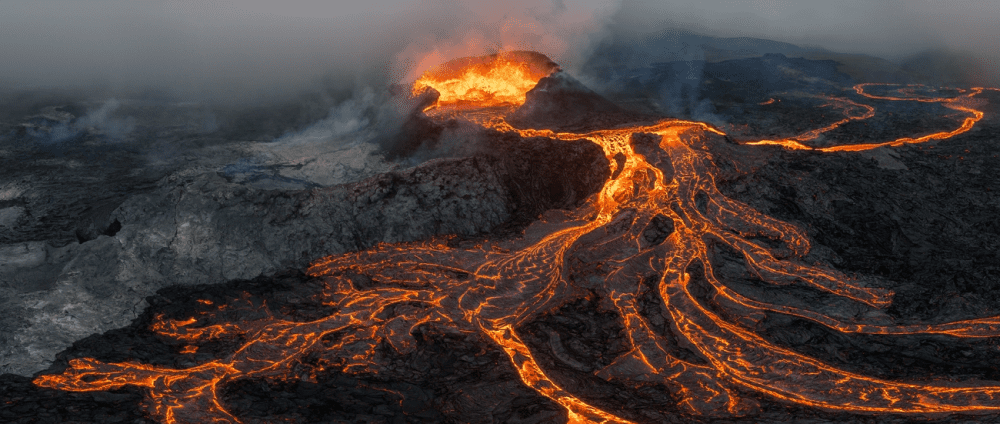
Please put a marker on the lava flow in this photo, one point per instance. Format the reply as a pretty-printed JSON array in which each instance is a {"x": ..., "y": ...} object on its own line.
[
  {"x": 960, "y": 103},
  {"x": 664, "y": 181}
]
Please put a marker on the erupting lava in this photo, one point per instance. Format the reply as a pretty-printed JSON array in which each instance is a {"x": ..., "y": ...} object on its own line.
[
  {"x": 496, "y": 80},
  {"x": 492, "y": 289}
]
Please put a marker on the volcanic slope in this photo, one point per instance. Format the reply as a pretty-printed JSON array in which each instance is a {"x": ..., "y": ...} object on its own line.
[{"x": 658, "y": 298}]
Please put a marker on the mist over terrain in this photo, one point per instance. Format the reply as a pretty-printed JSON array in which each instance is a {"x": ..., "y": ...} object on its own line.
[
  {"x": 301, "y": 94},
  {"x": 254, "y": 50},
  {"x": 259, "y": 70}
]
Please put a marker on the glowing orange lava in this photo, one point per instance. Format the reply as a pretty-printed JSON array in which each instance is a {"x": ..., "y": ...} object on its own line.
[
  {"x": 496, "y": 80},
  {"x": 958, "y": 103},
  {"x": 494, "y": 288}
]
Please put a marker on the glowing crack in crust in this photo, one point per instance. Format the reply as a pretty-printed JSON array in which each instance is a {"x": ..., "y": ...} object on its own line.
[{"x": 494, "y": 288}]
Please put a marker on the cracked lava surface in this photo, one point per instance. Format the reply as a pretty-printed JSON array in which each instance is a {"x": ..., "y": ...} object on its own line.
[{"x": 665, "y": 183}]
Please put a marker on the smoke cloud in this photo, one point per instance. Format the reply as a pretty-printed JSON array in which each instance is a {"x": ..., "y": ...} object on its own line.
[
  {"x": 252, "y": 50},
  {"x": 272, "y": 69},
  {"x": 57, "y": 126}
]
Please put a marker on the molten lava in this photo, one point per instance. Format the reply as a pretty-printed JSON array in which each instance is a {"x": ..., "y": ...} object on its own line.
[
  {"x": 496, "y": 80},
  {"x": 956, "y": 103},
  {"x": 495, "y": 288}
]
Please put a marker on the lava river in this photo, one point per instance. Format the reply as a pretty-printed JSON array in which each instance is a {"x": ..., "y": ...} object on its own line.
[{"x": 661, "y": 179}]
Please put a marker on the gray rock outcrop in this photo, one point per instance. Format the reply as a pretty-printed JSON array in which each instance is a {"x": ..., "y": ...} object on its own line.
[{"x": 198, "y": 227}]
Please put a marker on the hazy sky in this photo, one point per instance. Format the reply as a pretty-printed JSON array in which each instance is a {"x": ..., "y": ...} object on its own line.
[
  {"x": 888, "y": 28},
  {"x": 245, "y": 49}
]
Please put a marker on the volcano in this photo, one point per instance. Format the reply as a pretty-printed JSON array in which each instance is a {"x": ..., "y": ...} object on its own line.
[{"x": 574, "y": 259}]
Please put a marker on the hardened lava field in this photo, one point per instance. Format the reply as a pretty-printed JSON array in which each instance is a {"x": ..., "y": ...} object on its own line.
[{"x": 657, "y": 297}]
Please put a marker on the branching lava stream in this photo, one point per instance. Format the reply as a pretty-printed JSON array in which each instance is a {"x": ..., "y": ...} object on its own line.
[{"x": 494, "y": 288}]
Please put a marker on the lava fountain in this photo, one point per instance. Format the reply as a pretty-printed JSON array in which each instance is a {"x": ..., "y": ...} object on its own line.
[{"x": 665, "y": 181}]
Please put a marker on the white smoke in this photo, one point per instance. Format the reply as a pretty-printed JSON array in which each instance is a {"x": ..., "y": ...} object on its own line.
[
  {"x": 335, "y": 150},
  {"x": 101, "y": 123},
  {"x": 251, "y": 50}
]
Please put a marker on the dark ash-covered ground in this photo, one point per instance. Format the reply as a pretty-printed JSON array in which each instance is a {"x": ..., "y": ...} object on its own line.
[{"x": 922, "y": 219}]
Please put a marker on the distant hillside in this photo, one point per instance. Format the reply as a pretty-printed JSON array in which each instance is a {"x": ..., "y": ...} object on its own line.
[{"x": 617, "y": 57}]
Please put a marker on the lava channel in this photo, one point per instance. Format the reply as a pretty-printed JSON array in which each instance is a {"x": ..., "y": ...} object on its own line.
[{"x": 494, "y": 288}]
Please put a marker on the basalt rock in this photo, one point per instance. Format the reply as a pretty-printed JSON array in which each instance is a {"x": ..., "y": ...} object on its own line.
[
  {"x": 559, "y": 102},
  {"x": 197, "y": 228}
]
